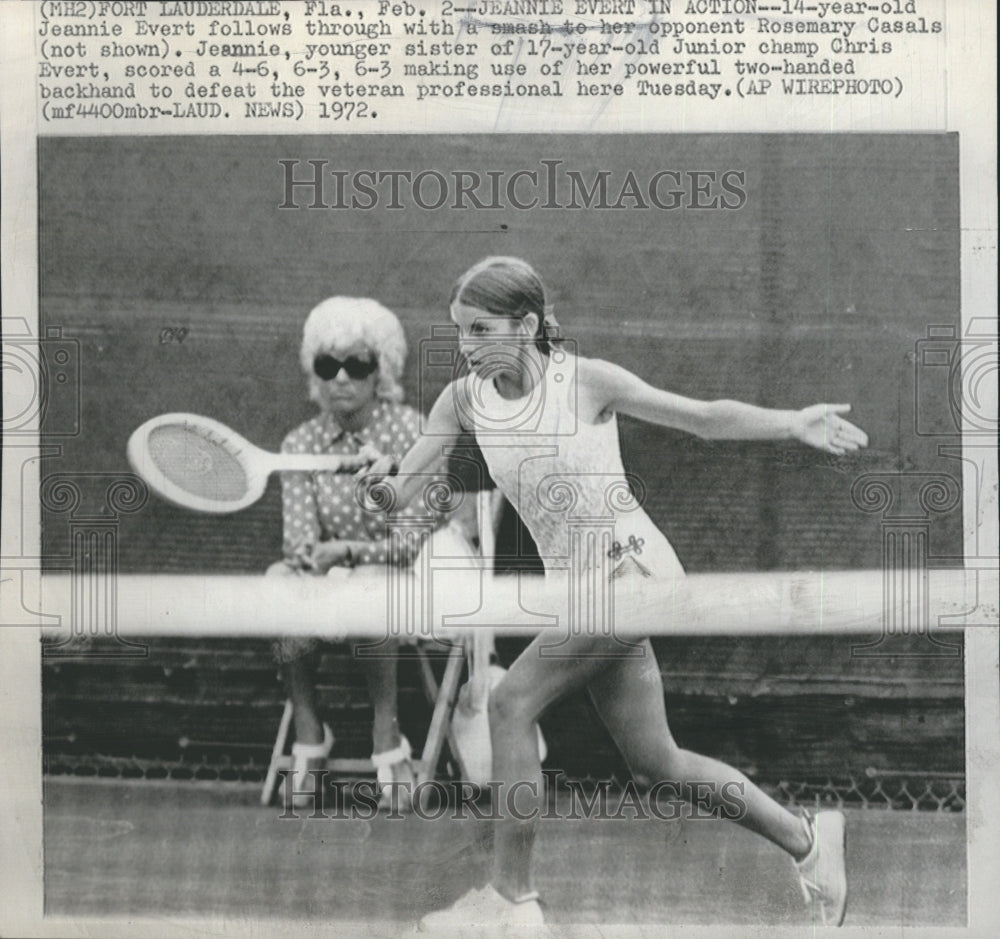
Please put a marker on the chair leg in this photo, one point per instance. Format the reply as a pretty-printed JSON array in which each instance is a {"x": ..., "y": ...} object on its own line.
[
  {"x": 427, "y": 675},
  {"x": 431, "y": 690},
  {"x": 271, "y": 779},
  {"x": 441, "y": 718}
]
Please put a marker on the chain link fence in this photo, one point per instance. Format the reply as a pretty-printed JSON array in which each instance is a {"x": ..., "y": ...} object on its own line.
[{"x": 914, "y": 791}]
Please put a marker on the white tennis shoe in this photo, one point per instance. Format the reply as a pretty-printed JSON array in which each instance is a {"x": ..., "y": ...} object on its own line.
[
  {"x": 822, "y": 872},
  {"x": 487, "y": 913}
]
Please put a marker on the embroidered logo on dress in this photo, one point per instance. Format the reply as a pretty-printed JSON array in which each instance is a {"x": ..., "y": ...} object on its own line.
[{"x": 633, "y": 546}]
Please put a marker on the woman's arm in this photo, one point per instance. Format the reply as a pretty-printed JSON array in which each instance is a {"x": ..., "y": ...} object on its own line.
[
  {"x": 417, "y": 468},
  {"x": 613, "y": 388}
]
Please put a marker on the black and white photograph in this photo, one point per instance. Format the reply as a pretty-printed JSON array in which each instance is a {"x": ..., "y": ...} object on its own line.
[
  {"x": 507, "y": 468},
  {"x": 682, "y": 377}
]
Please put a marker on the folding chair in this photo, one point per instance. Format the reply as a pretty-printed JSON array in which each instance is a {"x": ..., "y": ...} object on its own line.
[{"x": 442, "y": 695}]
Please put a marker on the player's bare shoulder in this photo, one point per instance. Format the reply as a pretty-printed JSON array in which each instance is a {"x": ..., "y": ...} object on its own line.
[
  {"x": 597, "y": 372},
  {"x": 598, "y": 386}
]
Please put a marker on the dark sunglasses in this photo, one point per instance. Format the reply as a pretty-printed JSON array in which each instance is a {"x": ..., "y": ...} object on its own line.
[{"x": 327, "y": 367}]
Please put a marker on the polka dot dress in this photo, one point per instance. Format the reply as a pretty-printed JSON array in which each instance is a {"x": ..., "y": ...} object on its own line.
[{"x": 321, "y": 506}]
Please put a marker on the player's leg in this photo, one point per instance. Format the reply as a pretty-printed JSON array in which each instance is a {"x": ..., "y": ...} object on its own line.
[
  {"x": 629, "y": 698},
  {"x": 533, "y": 683}
]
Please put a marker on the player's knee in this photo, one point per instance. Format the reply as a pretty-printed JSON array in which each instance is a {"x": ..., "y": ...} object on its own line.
[
  {"x": 644, "y": 781},
  {"x": 507, "y": 708},
  {"x": 499, "y": 707},
  {"x": 656, "y": 765},
  {"x": 650, "y": 774}
]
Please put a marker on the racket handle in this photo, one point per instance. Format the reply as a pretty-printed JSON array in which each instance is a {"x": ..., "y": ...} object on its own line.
[
  {"x": 481, "y": 652},
  {"x": 485, "y": 519},
  {"x": 316, "y": 463}
]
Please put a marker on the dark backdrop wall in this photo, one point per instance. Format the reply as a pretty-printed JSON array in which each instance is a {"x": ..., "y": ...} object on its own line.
[{"x": 816, "y": 289}]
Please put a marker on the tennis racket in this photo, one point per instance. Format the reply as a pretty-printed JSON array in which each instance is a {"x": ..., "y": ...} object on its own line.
[{"x": 200, "y": 464}]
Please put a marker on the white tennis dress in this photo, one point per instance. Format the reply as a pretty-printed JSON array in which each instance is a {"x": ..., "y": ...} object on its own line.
[{"x": 566, "y": 480}]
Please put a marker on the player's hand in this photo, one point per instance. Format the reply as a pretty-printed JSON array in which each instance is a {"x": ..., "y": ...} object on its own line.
[
  {"x": 327, "y": 554},
  {"x": 359, "y": 462},
  {"x": 383, "y": 465},
  {"x": 821, "y": 426},
  {"x": 370, "y": 453}
]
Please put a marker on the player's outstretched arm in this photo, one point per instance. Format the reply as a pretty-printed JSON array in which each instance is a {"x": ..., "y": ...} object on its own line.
[
  {"x": 821, "y": 425},
  {"x": 407, "y": 480}
]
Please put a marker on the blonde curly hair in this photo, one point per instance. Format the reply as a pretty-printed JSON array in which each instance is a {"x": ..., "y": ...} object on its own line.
[{"x": 346, "y": 321}]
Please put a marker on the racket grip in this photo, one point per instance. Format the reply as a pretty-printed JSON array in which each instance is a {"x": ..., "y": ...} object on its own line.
[{"x": 318, "y": 463}]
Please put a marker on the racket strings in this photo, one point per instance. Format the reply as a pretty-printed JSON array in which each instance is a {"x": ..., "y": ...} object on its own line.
[{"x": 198, "y": 461}]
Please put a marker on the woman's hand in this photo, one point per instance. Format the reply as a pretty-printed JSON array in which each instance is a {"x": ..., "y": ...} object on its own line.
[
  {"x": 327, "y": 554},
  {"x": 821, "y": 426}
]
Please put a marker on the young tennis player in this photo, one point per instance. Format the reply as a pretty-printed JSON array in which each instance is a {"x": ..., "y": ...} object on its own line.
[{"x": 547, "y": 420}]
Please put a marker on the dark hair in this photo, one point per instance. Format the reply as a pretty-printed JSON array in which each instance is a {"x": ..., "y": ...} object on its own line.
[{"x": 508, "y": 287}]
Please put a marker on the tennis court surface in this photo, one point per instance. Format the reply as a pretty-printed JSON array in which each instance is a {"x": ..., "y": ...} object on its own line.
[{"x": 165, "y": 849}]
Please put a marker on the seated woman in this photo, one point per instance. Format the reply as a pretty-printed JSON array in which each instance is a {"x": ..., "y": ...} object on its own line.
[{"x": 353, "y": 351}]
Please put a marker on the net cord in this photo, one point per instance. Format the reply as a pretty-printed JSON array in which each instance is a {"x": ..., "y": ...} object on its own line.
[{"x": 448, "y": 604}]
